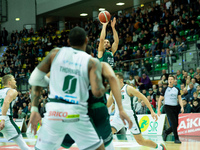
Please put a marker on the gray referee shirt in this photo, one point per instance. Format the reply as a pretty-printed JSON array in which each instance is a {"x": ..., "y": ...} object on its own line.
[{"x": 170, "y": 95}]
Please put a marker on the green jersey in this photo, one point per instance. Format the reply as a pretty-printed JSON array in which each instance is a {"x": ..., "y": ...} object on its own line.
[
  {"x": 107, "y": 57},
  {"x": 93, "y": 99}
]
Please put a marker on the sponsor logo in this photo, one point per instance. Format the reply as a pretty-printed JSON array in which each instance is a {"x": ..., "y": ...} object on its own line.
[
  {"x": 189, "y": 123},
  {"x": 57, "y": 114},
  {"x": 144, "y": 123}
]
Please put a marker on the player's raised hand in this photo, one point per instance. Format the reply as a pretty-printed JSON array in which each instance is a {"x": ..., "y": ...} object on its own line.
[
  {"x": 113, "y": 22},
  {"x": 124, "y": 117},
  {"x": 104, "y": 24},
  {"x": 2, "y": 124},
  {"x": 34, "y": 119},
  {"x": 154, "y": 116}
]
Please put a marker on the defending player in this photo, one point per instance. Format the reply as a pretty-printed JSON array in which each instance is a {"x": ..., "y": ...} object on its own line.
[
  {"x": 127, "y": 92},
  {"x": 7, "y": 99},
  {"x": 72, "y": 70},
  {"x": 103, "y": 50},
  {"x": 97, "y": 109}
]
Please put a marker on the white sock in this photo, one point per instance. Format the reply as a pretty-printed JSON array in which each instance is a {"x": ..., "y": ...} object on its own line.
[
  {"x": 21, "y": 143},
  {"x": 110, "y": 146},
  {"x": 160, "y": 147}
]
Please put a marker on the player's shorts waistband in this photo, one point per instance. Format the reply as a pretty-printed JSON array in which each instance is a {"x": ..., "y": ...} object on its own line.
[
  {"x": 58, "y": 101},
  {"x": 96, "y": 105}
]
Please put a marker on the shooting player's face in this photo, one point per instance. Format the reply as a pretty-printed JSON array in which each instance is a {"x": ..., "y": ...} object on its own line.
[{"x": 106, "y": 44}]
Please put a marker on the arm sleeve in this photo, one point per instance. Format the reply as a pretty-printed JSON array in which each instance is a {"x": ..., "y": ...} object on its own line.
[{"x": 179, "y": 93}]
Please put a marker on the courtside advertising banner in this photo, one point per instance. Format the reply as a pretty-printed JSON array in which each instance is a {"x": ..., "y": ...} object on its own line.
[
  {"x": 189, "y": 124},
  {"x": 148, "y": 126}
]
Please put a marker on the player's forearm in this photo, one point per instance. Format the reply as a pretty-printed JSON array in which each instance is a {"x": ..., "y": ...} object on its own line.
[
  {"x": 103, "y": 33},
  {"x": 115, "y": 88},
  {"x": 115, "y": 35},
  {"x": 148, "y": 104},
  {"x": 141, "y": 96},
  {"x": 35, "y": 95}
]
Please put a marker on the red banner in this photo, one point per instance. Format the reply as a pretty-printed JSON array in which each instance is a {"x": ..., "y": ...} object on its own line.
[{"x": 189, "y": 124}]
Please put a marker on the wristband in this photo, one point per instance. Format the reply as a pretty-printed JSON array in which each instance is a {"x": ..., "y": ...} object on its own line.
[
  {"x": 3, "y": 117},
  {"x": 34, "y": 108}
]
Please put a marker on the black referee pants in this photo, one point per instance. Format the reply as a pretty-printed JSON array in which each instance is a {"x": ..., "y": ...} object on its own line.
[{"x": 172, "y": 113}]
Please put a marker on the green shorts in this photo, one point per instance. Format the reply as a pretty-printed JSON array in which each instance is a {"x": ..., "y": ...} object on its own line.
[{"x": 100, "y": 118}]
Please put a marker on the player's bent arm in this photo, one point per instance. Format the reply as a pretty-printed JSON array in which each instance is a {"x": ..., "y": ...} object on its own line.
[
  {"x": 102, "y": 38},
  {"x": 37, "y": 77},
  {"x": 11, "y": 95},
  {"x": 180, "y": 101},
  {"x": 35, "y": 95},
  {"x": 160, "y": 101},
  {"x": 110, "y": 100},
  {"x": 95, "y": 71},
  {"x": 109, "y": 74},
  {"x": 133, "y": 92}
]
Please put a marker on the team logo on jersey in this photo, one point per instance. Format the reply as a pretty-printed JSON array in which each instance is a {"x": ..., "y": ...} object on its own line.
[
  {"x": 69, "y": 85},
  {"x": 144, "y": 123}
]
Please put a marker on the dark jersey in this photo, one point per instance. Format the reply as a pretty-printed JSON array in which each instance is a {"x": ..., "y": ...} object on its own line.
[
  {"x": 92, "y": 99},
  {"x": 107, "y": 57},
  {"x": 170, "y": 95}
]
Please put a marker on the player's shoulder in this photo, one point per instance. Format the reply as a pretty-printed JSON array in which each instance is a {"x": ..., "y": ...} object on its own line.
[
  {"x": 12, "y": 92},
  {"x": 130, "y": 88},
  {"x": 93, "y": 62}
]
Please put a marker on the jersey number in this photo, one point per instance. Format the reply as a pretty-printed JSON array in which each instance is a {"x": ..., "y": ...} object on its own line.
[{"x": 69, "y": 86}]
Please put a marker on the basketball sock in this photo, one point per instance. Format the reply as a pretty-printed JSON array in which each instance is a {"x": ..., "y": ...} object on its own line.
[
  {"x": 21, "y": 143},
  {"x": 159, "y": 147}
]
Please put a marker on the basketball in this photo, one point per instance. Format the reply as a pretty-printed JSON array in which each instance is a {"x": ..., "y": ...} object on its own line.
[{"x": 104, "y": 16}]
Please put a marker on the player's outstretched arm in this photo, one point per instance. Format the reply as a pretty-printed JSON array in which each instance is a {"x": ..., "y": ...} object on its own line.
[
  {"x": 115, "y": 36},
  {"x": 133, "y": 92},
  {"x": 37, "y": 80},
  {"x": 95, "y": 71},
  {"x": 109, "y": 74},
  {"x": 37, "y": 77},
  {"x": 102, "y": 38},
  {"x": 11, "y": 95}
]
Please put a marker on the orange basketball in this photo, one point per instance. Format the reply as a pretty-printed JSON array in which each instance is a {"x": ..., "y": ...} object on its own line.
[{"x": 104, "y": 16}]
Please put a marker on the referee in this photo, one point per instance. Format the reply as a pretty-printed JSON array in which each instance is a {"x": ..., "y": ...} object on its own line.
[{"x": 170, "y": 94}]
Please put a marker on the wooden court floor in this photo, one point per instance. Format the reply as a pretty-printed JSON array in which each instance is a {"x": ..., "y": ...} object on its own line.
[{"x": 121, "y": 142}]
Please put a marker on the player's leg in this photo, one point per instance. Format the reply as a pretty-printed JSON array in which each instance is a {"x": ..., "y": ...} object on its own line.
[
  {"x": 12, "y": 132},
  {"x": 101, "y": 120},
  {"x": 85, "y": 136},
  {"x": 21, "y": 143},
  {"x": 145, "y": 142},
  {"x": 51, "y": 134},
  {"x": 135, "y": 130},
  {"x": 116, "y": 124}
]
